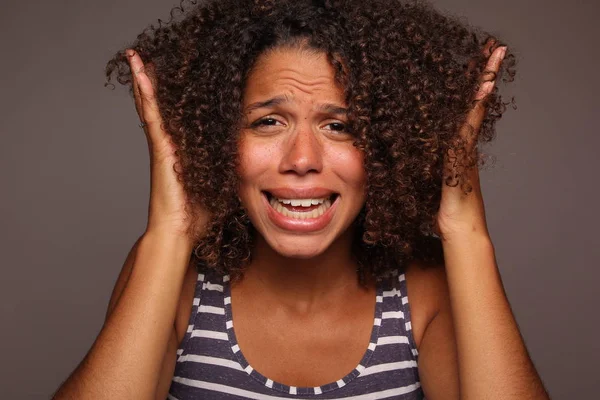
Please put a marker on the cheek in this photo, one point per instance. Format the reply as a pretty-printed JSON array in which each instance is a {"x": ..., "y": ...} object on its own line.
[
  {"x": 255, "y": 161},
  {"x": 350, "y": 163}
]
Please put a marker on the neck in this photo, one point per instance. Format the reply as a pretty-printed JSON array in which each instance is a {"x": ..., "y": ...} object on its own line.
[{"x": 303, "y": 284}]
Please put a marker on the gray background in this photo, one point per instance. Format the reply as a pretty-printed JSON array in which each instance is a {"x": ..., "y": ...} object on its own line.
[{"x": 75, "y": 182}]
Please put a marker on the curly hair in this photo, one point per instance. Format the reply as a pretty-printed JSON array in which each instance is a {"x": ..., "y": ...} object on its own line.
[{"x": 409, "y": 76}]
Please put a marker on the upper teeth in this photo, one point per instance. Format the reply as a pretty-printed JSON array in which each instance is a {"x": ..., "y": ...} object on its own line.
[{"x": 302, "y": 202}]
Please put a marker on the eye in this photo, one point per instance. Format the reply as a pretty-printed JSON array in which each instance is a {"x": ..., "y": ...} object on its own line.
[
  {"x": 267, "y": 121},
  {"x": 337, "y": 126},
  {"x": 338, "y": 129}
]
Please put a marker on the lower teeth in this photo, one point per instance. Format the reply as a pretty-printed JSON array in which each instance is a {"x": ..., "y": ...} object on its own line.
[{"x": 301, "y": 214}]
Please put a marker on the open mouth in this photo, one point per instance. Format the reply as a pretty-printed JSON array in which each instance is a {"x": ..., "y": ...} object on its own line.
[{"x": 301, "y": 208}]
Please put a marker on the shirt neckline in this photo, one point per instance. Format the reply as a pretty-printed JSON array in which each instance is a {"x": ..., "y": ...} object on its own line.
[{"x": 280, "y": 387}]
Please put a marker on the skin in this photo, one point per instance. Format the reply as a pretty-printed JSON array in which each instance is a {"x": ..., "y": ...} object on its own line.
[
  {"x": 471, "y": 346},
  {"x": 468, "y": 340},
  {"x": 300, "y": 146},
  {"x": 318, "y": 314}
]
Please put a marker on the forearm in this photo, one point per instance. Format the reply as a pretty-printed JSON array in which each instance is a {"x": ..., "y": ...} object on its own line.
[
  {"x": 126, "y": 359},
  {"x": 493, "y": 360}
]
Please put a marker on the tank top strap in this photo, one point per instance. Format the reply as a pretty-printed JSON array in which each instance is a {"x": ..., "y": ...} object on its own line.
[
  {"x": 396, "y": 316},
  {"x": 207, "y": 315}
]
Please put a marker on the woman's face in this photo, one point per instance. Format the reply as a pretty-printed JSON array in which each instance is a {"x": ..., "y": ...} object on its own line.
[{"x": 302, "y": 180}]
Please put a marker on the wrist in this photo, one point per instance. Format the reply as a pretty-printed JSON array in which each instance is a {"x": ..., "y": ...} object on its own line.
[
  {"x": 479, "y": 238},
  {"x": 169, "y": 238}
]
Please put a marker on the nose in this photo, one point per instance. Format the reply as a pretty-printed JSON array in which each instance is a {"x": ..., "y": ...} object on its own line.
[{"x": 302, "y": 152}]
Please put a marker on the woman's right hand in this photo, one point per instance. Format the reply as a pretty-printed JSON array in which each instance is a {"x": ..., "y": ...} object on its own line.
[{"x": 166, "y": 211}]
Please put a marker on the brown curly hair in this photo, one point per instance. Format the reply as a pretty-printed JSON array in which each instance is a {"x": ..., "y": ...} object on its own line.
[{"x": 409, "y": 74}]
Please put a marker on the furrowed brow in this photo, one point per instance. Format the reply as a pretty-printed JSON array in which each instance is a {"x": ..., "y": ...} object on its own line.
[
  {"x": 327, "y": 108},
  {"x": 277, "y": 100},
  {"x": 332, "y": 109}
]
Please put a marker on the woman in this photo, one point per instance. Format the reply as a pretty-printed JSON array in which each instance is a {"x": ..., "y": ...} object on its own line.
[{"x": 304, "y": 156}]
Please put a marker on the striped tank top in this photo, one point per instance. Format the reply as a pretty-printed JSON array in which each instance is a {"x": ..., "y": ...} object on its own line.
[{"x": 211, "y": 365}]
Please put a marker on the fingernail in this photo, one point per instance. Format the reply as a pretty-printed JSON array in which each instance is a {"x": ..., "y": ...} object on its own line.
[{"x": 503, "y": 53}]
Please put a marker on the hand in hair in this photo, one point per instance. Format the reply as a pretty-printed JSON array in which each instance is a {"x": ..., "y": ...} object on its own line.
[
  {"x": 167, "y": 207},
  {"x": 462, "y": 212}
]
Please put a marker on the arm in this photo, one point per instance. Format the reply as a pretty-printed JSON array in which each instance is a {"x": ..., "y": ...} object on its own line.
[
  {"x": 127, "y": 358},
  {"x": 123, "y": 278},
  {"x": 472, "y": 348},
  {"x": 473, "y": 344},
  {"x": 135, "y": 352}
]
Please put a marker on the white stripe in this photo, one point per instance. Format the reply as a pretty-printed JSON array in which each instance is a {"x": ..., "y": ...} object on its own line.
[
  {"x": 318, "y": 390},
  {"x": 415, "y": 352},
  {"x": 227, "y": 300},
  {"x": 391, "y": 293},
  {"x": 179, "y": 352},
  {"x": 211, "y": 360},
  {"x": 196, "y": 301},
  {"x": 401, "y": 277},
  {"x": 360, "y": 368},
  {"x": 379, "y": 299},
  {"x": 215, "y": 387},
  {"x": 293, "y": 390},
  {"x": 235, "y": 348},
  {"x": 249, "y": 369},
  {"x": 190, "y": 328},
  {"x": 171, "y": 397},
  {"x": 225, "y": 278},
  {"x": 341, "y": 383},
  {"x": 388, "y": 367},
  {"x": 392, "y": 314},
  {"x": 212, "y": 286},
  {"x": 372, "y": 346},
  {"x": 408, "y": 326},
  {"x": 209, "y": 334},
  {"x": 377, "y": 322},
  {"x": 201, "y": 277},
  {"x": 392, "y": 340},
  {"x": 211, "y": 310},
  {"x": 229, "y": 324},
  {"x": 404, "y": 300},
  {"x": 269, "y": 383}
]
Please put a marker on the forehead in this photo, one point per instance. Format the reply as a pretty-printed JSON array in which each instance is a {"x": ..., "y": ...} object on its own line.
[{"x": 294, "y": 73}]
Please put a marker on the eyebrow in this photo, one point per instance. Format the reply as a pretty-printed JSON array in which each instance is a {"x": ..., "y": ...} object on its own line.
[{"x": 328, "y": 108}]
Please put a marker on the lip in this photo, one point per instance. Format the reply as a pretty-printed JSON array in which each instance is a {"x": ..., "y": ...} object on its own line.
[{"x": 300, "y": 225}]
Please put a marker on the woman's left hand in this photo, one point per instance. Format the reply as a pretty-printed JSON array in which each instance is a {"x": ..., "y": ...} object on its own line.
[{"x": 463, "y": 214}]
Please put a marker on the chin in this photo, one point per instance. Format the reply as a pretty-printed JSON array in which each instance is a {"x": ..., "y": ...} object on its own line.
[{"x": 299, "y": 247}]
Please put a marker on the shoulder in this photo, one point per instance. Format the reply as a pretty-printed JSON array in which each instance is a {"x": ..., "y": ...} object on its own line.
[{"x": 427, "y": 292}]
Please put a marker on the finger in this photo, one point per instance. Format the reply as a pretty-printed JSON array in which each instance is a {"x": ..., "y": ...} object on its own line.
[
  {"x": 486, "y": 51},
  {"x": 134, "y": 85},
  {"x": 477, "y": 113},
  {"x": 144, "y": 92},
  {"x": 470, "y": 129},
  {"x": 488, "y": 47},
  {"x": 488, "y": 77}
]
